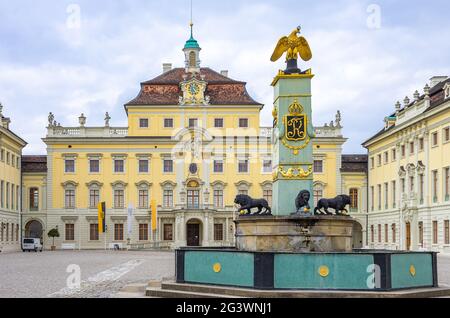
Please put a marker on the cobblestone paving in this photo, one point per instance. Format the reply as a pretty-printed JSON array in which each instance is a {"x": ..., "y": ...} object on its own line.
[{"x": 103, "y": 274}]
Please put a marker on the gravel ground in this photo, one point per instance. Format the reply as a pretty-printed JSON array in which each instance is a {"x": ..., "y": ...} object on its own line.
[{"x": 103, "y": 273}]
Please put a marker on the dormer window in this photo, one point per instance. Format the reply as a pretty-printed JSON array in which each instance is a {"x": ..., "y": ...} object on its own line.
[{"x": 447, "y": 90}]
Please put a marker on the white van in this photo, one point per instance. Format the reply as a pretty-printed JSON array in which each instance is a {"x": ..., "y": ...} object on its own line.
[{"x": 31, "y": 244}]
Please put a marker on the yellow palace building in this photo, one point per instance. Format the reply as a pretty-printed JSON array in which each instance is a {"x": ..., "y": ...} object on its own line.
[
  {"x": 11, "y": 147},
  {"x": 409, "y": 173},
  {"x": 193, "y": 142}
]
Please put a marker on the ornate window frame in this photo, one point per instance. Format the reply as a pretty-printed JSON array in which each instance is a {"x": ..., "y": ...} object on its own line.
[{"x": 70, "y": 186}]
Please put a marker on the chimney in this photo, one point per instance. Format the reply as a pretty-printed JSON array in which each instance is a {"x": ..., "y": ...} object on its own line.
[
  {"x": 436, "y": 80},
  {"x": 224, "y": 73},
  {"x": 167, "y": 67}
]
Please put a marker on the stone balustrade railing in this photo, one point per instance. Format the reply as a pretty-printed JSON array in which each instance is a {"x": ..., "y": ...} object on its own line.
[{"x": 80, "y": 132}]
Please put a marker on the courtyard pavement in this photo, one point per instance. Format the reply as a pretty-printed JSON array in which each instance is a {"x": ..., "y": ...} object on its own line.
[{"x": 103, "y": 273}]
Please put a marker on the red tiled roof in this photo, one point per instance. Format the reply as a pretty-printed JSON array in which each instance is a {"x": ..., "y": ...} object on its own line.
[
  {"x": 34, "y": 163},
  {"x": 165, "y": 89}
]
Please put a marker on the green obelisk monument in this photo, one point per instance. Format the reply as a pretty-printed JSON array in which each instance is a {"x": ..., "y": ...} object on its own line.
[{"x": 293, "y": 130}]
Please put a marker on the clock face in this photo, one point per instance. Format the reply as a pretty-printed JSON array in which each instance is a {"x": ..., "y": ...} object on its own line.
[{"x": 194, "y": 88}]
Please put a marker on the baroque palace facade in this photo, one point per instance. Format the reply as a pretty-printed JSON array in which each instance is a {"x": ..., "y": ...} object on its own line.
[
  {"x": 193, "y": 142},
  {"x": 11, "y": 147},
  {"x": 409, "y": 173}
]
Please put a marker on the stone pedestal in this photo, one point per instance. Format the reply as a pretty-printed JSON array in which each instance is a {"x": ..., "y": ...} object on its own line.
[{"x": 294, "y": 234}]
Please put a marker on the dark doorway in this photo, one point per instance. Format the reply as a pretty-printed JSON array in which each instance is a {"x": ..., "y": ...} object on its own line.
[
  {"x": 193, "y": 234},
  {"x": 33, "y": 229}
]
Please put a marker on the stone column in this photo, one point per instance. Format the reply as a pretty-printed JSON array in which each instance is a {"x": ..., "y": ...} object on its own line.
[{"x": 293, "y": 133}]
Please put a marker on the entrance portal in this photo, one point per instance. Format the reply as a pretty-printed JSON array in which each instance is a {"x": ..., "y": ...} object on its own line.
[
  {"x": 357, "y": 235},
  {"x": 33, "y": 229},
  {"x": 408, "y": 236},
  {"x": 193, "y": 234}
]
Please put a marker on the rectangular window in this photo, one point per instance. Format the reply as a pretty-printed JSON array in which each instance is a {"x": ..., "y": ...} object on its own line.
[
  {"x": 447, "y": 183},
  {"x": 143, "y": 166},
  {"x": 354, "y": 199},
  {"x": 411, "y": 184},
  {"x": 379, "y": 160},
  {"x": 218, "y": 199},
  {"x": 119, "y": 165},
  {"x": 218, "y": 166},
  {"x": 168, "y": 198},
  {"x": 168, "y": 166},
  {"x": 379, "y": 233},
  {"x": 7, "y": 231},
  {"x": 394, "y": 194},
  {"x": 143, "y": 199},
  {"x": 421, "y": 234},
  {"x": 193, "y": 122},
  {"x": 434, "y": 175},
  {"x": 244, "y": 192},
  {"x": 93, "y": 232},
  {"x": 267, "y": 195},
  {"x": 7, "y": 195},
  {"x": 435, "y": 232},
  {"x": 318, "y": 166},
  {"x": 421, "y": 144},
  {"x": 421, "y": 188},
  {"x": 17, "y": 232},
  {"x": 119, "y": 199},
  {"x": 34, "y": 199},
  {"x": 386, "y": 233},
  {"x": 386, "y": 157},
  {"x": 2, "y": 194},
  {"x": 168, "y": 232},
  {"x": 13, "y": 160},
  {"x": 243, "y": 166},
  {"x": 13, "y": 190},
  {"x": 218, "y": 232},
  {"x": 372, "y": 198},
  {"x": 394, "y": 154},
  {"x": 118, "y": 232},
  {"x": 267, "y": 166},
  {"x": 8, "y": 158},
  {"x": 70, "y": 199},
  {"x": 411, "y": 148},
  {"x": 243, "y": 122},
  {"x": 168, "y": 122},
  {"x": 317, "y": 195},
  {"x": 70, "y": 232},
  {"x": 403, "y": 148},
  {"x": 17, "y": 198},
  {"x": 379, "y": 197},
  {"x": 143, "y": 232},
  {"x": 372, "y": 163},
  {"x": 193, "y": 199},
  {"x": 434, "y": 139},
  {"x": 372, "y": 234},
  {"x": 69, "y": 166},
  {"x": 143, "y": 123},
  {"x": 446, "y": 232},
  {"x": 94, "y": 198},
  {"x": 218, "y": 122},
  {"x": 94, "y": 166},
  {"x": 386, "y": 196},
  {"x": 2, "y": 156},
  {"x": 394, "y": 234},
  {"x": 446, "y": 134},
  {"x": 18, "y": 163}
]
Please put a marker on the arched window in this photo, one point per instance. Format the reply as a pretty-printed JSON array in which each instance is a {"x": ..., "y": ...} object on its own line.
[
  {"x": 192, "y": 59},
  {"x": 354, "y": 199}
]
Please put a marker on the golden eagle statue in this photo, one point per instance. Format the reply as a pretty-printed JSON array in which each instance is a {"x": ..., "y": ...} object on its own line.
[{"x": 294, "y": 45}]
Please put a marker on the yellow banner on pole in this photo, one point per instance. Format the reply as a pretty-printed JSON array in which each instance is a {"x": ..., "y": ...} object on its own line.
[
  {"x": 154, "y": 215},
  {"x": 101, "y": 217}
]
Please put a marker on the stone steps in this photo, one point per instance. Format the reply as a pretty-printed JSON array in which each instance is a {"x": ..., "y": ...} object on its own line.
[{"x": 174, "y": 290}]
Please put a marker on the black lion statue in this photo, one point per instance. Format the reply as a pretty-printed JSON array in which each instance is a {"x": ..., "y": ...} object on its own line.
[
  {"x": 247, "y": 203},
  {"x": 338, "y": 204},
  {"x": 302, "y": 201}
]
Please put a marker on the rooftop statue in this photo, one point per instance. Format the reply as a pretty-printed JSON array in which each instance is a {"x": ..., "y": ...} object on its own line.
[{"x": 293, "y": 45}]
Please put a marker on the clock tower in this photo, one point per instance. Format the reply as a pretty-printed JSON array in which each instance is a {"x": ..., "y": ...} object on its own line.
[{"x": 192, "y": 54}]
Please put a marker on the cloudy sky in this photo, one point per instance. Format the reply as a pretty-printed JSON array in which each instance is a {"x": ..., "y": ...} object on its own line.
[{"x": 367, "y": 55}]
